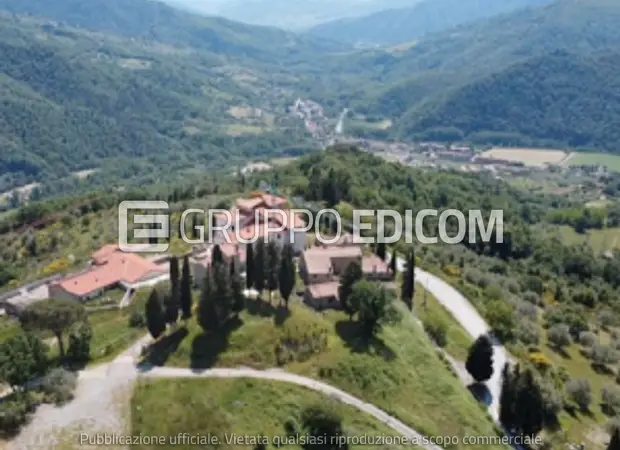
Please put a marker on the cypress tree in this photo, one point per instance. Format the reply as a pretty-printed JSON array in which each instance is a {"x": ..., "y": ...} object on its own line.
[
  {"x": 393, "y": 261},
  {"x": 480, "y": 359},
  {"x": 614, "y": 443},
  {"x": 154, "y": 313},
  {"x": 507, "y": 398},
  {"x": 223, "y": 296},
  {"x": 249, "y": 266},
  {"x": 236, "y": 286},
  {"x": 259, "y": 267},
  {"x": 172, "y": 300},
  {"x": 216, "y": 256},
  {"x": 186, "y": 289},
  {"x": 207, "y": 313},
  {"x": 273, "y": 261},
  {"x": 380, "y": 250},
  {"x": 408, "y": 286},
  {"x": 530, "y": 405},
  {"x": 287, "y": 273}
]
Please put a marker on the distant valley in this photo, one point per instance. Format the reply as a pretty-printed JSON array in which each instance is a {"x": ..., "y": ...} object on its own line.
[{"x": 149, "y": 94}]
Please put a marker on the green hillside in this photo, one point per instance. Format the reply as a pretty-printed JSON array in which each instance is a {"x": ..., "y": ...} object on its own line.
[
  {"x": 154, "y": 20},
  {"x": 436, "y": 65},
  {"x": 394, "y": 26},
  {"x": 74, "y": 99},
  {"x": 560, "y": 99}
]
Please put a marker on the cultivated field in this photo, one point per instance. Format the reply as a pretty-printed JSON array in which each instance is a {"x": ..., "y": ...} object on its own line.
[
  {"x": 528, "y": 156},
  {"x": 611, "y": 161}
]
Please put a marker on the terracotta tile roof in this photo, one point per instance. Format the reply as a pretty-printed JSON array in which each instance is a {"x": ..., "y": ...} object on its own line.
[
  {"x": 374, "y": 264},
  {"x": 273, "y": 201},
  {"x": 266, "y": 200},
  {"x": 345, "y": 240},
  {"x": 114, "y": 268},
  {"x": 317, "y": 263},
  {"x": 248, "y": 204},
  {"x": 324, "y": 290},
  {"x": 319, "y": 259},
  {"x": 100, "y": 255}
]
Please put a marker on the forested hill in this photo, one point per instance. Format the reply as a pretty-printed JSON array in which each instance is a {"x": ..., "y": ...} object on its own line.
[
  {"x": 74, "y": 100},
  {"x": 156, "y": 21},
  {"x": 395, "y": 26},
  {"x": 438, "y": 65},
  {"x": 562, "y": 99}
]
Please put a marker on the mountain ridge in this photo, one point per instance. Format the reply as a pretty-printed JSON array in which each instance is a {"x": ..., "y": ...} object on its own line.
[{"x": 393, "y": 26}]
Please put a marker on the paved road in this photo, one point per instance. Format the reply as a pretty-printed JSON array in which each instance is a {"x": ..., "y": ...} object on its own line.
[
  {"x": 464, "y": 312},
  {"x": 278, "y": 375}
]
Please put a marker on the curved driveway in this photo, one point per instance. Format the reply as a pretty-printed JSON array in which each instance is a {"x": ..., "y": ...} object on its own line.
[{"x": 464, "y": 312}]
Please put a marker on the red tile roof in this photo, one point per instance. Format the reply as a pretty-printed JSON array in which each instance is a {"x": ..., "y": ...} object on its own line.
[
  {"x": 319, "y": 259},
  {"x": 374, "y": 264},
  {"x": 112, "y": 268},
  {"x": 324, "y": 290}
]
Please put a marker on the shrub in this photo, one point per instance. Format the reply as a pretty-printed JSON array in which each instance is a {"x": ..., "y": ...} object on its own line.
[
  {"x": 580, "y": 392},
  {"x": 539, "y": 360},
  {"x": 437, "y": 331},
  {"x": 610, "y": 398},
  {"x": 532, "y": 297},
  {"x": 452, "y": 270},
  {"x": 552, "y": 401},
  {"x": 586, "y": 297},
  {"x": 533, "y": 283},
  {"x": 528, "y": 333},
  {"x": 559, "y": 336},
  {"x": 13, "y": 414},
  {"x": 79, "y": 343},
  {"x": 526, "y": 310},
  {"x": 587, "y": 339},
  {"x": 606, "y": 319},
  {"x": 472, "y": 276},
  {"x": 137, "y": 320},
  {"x": 603, "y": 355},
  {"x": 494, "y": 291},
  {"x": 502, "y": 318},
  {"x": 511, "y": 286},
  {"x": 58, "y": 386}
]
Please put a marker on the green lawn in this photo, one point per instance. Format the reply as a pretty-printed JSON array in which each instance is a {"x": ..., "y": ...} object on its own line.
[
  {"x": 611, "y": 161},
  {"x": 240, "y": 407},
  {"x": 428, "y": 308},
  {"x": 111, "y": 331},
  {"x": 400, "y": 371}
]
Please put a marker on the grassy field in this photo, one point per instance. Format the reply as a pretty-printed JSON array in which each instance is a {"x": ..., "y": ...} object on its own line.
[
  {"x": 528, "y": 156},
  {"x": 611, "y": 161},
  {"x": 458, "y": 340},
  {"x": 400, "y": 371},
  {"x": 111, "y": 331},
  {"x": 579, "y": 426},
  {"x": 241, "y": 407},
  {"x": 599, "y": 240}
]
